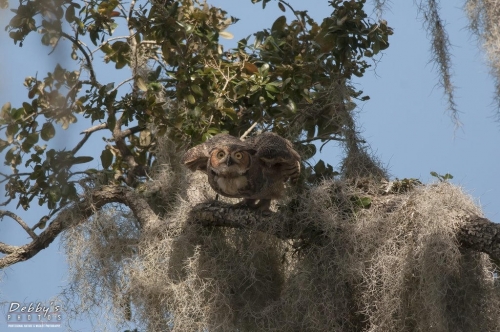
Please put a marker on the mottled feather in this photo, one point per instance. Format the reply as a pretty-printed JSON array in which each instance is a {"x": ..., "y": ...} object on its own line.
[{"x": 254, "y": 169}]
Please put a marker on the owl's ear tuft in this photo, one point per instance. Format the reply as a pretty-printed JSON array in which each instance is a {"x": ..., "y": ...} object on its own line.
[
  {"x": 194, "y": 160},
  {"x": 197, "y": 165}
]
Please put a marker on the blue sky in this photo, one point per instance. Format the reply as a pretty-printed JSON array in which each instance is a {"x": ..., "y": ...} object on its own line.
[{"x": 405, "y": 121}]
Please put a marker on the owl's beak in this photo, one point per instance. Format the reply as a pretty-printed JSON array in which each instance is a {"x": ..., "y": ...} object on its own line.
[{"x": 229, "y": 161}]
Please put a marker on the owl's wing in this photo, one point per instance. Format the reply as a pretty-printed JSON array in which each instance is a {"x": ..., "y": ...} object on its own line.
[
  {"x": 277, "y": 154},
  {"x": 196, "y": 158}
]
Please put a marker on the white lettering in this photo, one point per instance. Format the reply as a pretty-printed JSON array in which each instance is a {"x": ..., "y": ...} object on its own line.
[{"x": 14, "y": 304}]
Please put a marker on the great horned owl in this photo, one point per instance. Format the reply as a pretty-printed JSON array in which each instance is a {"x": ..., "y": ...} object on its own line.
[{"x": 254, "y": 169}]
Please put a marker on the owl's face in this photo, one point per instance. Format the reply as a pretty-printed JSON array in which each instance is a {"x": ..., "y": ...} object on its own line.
[
  {"x": 228, "y": 170},
  {"x": 229, "y": 162}
]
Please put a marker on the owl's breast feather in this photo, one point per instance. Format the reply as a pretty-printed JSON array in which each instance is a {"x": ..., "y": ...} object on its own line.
[{"x": 231, "y": 185}]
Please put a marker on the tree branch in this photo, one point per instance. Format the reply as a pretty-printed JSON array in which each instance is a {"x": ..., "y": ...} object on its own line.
[
  {"x": 245, "y": 134},
  {"x": 86, "y": 55},
  {"x": 281, "y": 224},
  {"x": 325, "y": 137},
  {"x": 477, "y": 233},
  {"x": 482, "y": 235},
  {"x": 130, "y": 131},
  {"x": 7, "y": 249},
  {"x": 87, "y": 133},
  {"x": 299, "y": 19},
  {"x": 121, "y": 83},
  {"x": 19, "y": 221},
  {"x": 76, "y": 214}
]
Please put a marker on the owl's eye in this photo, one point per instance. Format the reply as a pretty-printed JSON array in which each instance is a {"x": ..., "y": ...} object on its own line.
[
  {"x": 238, "y": 155},
  {"x": 220, "y": 154}
]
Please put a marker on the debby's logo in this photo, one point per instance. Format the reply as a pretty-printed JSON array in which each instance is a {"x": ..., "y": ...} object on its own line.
[{"x": 34, "y": 315}]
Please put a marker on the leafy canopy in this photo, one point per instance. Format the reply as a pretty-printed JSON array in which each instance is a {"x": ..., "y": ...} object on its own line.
[{"x": 184, "y": 85}]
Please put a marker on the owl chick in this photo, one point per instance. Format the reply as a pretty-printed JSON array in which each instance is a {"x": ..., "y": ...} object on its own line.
[{"x": 255, "y": 169}]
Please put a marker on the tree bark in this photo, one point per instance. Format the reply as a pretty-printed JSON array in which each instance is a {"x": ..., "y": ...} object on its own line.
[
  {"x": 481, "y": 234},
  {"x": 77, "y": 214},
  {"x": 477, "y": 233}
]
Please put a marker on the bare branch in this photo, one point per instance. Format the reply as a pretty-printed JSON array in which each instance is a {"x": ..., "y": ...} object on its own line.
[
  {"x": 7, "y": 249},
  {"x": 94, "y": 128},
  {"x": 78, "y": 213},
  {"x": 87, "y": 133},
  {"x": 477, "y": 233},
  {"x": 326, "y": 137},
  {"x": 86, "y": 55},
  {"x": 281, "y": 225},
  {"x": 6, "y": 202},
  {"x": 7, "y": 177},
  {"x": 249, "y": 130},
  {"x": 300, "y": 19},
  {"x": 121, "y": 83},
  {"x": 19, "y": 221}
]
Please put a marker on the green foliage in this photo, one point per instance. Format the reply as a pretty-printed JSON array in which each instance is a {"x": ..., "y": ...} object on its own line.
[
  {"x": 442, "y": 178},
  {"x": 185, "y": 85},
  {"x": 361, "y": 202}
]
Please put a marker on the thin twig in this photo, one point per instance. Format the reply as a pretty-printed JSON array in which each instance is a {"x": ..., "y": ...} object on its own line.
[
  {"x": 6, "y": 202},
  {"x": 295, "y": 13},
  {"x": 19, "y": 221},
  {"x": 7, "y": 177},
  {"x": 121, "y": 83},
  {"x": 95, "y": 128},
  {"x": 86, "y": 55},
  {"x": 331, "y": 138},
  {"x": 248, "y": 130},
  {"x": 87, "y": 133},
  {"x": 215, "y": 64},
  {"x": 106, "y": 42}
]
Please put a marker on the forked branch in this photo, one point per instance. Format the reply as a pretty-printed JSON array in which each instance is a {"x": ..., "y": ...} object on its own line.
[{"x": 77, "y": 214}]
